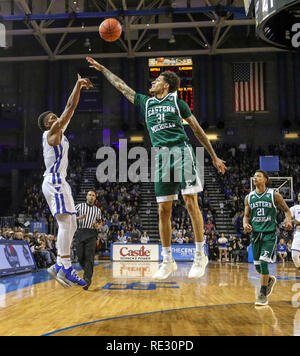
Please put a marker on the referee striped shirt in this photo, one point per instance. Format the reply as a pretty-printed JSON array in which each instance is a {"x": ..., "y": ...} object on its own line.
[{"x": 93, "y": 215}]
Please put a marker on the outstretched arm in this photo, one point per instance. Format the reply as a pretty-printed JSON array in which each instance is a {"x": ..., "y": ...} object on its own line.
[
  {"x": 203, "y": 139},
  {"x": 113, "y": 79},
  {"x": 54, "y": 134}
]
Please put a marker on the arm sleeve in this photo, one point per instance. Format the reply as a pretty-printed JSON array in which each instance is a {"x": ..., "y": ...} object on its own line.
[{"x": 184, "y": 109}]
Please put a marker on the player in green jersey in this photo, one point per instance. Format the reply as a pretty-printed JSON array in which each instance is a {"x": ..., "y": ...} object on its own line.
[
  {"x": 163, "y": 117},
  {"x": 260, "y": 220}
]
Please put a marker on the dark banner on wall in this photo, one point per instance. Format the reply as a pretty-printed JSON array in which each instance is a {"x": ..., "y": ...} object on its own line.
[{"x": 91, "y": 100}]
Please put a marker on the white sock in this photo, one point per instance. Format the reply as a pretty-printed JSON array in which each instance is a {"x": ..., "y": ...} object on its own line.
[
  {"x": 66, "y": 262},
  {"x": 58, "y": 261},
  {"x": 200, "y": 248},
  {"x": 167, "y": 253}
]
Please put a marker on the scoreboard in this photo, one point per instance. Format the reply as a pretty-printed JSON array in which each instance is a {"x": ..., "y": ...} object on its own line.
[
  {"x": 278, "y": 22},
  {"x": 183, "y": 67}
]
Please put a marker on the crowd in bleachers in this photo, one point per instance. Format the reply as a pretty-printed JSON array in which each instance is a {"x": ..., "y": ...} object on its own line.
[{"x": 120, "y": 203}]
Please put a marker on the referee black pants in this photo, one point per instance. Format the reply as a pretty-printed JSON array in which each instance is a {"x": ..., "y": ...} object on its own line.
[{"x": 85, "y": 244}]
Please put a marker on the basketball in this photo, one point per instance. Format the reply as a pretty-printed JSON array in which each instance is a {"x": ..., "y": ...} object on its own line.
[{"x": 110, "y": 30}]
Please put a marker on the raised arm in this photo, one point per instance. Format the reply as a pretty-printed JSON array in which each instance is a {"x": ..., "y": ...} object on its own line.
[
  {"x": 203, "y": 139},
  {"x": 113, "y": 79},
  {"x": 55, "y": 133},
  {"x": 246, "y": 219},
  {"x": 283, "y": 206}
]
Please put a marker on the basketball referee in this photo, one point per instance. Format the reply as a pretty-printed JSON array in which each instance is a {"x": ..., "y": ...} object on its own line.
[{"x": 89, "y": 221}]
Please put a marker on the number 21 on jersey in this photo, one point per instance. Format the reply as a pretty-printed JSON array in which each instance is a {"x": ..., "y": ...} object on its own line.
[{"x": 260, "y": 212}]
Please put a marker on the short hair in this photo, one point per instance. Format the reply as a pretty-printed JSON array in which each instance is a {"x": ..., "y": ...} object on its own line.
[
  {"x": 172, "y": 79},
  {"x": 41, "y": 120},
  {"x": 265, "y": 174}
]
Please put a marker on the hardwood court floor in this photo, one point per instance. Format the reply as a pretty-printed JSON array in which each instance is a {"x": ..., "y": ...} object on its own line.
[{"x": 123, "y": 300}]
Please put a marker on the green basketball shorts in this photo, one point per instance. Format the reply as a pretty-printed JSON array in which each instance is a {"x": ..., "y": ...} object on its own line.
[
  {"x": 263, "y": 246},
  {"x": 175, "y": 170}
]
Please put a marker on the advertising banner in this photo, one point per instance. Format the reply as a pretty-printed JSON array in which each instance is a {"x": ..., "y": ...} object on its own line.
[
  {"x": 135, "y": 252},
  {"x": 15, "y": 257}
]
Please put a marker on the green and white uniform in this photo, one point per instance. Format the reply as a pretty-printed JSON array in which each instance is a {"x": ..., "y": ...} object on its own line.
[
  {"x": 263, "y": 222},
  {"x": 175, "y": 162}
]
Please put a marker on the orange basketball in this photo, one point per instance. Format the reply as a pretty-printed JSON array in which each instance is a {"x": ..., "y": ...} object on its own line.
[{"x": 110, "y": 30}]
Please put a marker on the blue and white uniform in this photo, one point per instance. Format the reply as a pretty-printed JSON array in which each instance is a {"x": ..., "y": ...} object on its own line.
[
  {"x": 295, "y": 211},
  {"x": 55, "y": 188}
]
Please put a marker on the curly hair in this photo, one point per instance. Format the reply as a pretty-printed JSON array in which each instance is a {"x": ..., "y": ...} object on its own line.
[
  {"x": 172, "y": 79},
  {"x": 41, "y": 120}
]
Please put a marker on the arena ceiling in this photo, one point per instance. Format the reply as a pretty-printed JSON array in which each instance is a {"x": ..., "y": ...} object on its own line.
[{"x": 68, "y": 29}]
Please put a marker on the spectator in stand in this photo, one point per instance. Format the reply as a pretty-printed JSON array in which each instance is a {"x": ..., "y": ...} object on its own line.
[
  {"x": 239, "y": 223},
  {"x": 222, "y": 244},
  {"x": 209, "y": 226},
  {"x": 135, "y": 236},
  {"x": 51, "y": 244},
  {"x": 214, "y": 237},
  {"x": 121, "y": 237},
  {"x": 212, "y": 251},
  {"x": 231, "y": 245},
  {"x": 210, "y": 216},
  {"x": 180, "y": 240},
  {"x": 42, "y": 256},
  {"x": 145, "y": 238},
  {"x": 245, "y": 239},
  {"x": 289, "y": 250},
  {"x": 127, "y": 234},
  {"x": 189, "y": 235},
  {"x": 136, "y": 220},
  {"x": 11, "y": 235},
  {"x": 282, "y": 250},
  {"x": 240, "y": 251},
  {"x": 174, "y": 238},
  {"x": 100, "y": 245},
  {"x": 19, "y": 235}
]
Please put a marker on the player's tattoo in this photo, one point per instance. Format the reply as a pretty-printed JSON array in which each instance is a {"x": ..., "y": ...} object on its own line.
[
  {"x": 119, "y": 84},
  {"x": 201, "y": 135}
]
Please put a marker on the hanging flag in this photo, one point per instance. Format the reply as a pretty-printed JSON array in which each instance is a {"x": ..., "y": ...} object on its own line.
[{"x": 248, "y": 87}]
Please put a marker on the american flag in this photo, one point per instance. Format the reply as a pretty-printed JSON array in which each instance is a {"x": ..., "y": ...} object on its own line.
[{"x": 248, "y": 87}]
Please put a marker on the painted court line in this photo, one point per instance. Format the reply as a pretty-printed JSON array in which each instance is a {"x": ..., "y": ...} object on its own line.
[{"x": 155, "y": 312}]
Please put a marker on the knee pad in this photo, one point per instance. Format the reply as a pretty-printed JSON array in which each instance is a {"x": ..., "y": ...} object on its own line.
[{"x": 264, "y": 267}]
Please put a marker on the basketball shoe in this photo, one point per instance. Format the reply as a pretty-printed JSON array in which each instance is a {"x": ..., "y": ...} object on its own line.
[
  {"x": 261, "y": 299},
  {"x": 53, "y": 271},
  {"x": 165, "y": 269},
  {"x": 199, "y": 265},
  {"x": 70, "y": 277}
]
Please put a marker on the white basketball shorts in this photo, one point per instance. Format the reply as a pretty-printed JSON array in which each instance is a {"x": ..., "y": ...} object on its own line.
[
  {"x": 296, "y": 241},
  {"x": 58, "y": 194}
]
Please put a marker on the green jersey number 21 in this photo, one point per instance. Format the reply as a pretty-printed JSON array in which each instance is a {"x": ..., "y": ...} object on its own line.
[{"x": 260, "y": 212}]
